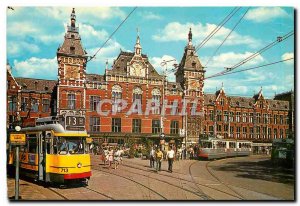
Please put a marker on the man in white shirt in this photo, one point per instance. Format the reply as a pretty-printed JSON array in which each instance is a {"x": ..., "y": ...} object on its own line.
[
  {"x": 152, "y": 157},
  {"x": 170, "y": 156}
]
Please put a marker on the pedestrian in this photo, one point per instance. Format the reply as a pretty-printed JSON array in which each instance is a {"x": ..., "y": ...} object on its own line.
[
  {"x": 152, "y": 157},
  {"x": 158, "y": 157},
  {"x": 179, "y": 151},
  {"x": 117, "y": 156},
  {"x": 105, "y": 159},
  {"x": 110, "y": 157},
  {"x": 191, "y": 150},
  {"x": 170, "y": 156}
]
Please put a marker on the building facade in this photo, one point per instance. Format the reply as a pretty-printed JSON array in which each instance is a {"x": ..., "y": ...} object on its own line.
[{"x": 126, "y": 102}]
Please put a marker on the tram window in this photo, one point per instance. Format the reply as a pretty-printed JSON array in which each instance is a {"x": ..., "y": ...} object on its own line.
[
  {"x": 32, "y": 144},
  {"x": 70, "y": 145}
]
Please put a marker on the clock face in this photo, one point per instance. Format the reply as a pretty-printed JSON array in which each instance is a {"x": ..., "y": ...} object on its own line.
[
  {"x": 137, "y": 69},
  {"x": 194, "y": 84},
  {"x": 72, "y": 72}
]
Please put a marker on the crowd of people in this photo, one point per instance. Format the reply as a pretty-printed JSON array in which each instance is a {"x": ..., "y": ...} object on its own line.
[{"x": 113, "y": 155}]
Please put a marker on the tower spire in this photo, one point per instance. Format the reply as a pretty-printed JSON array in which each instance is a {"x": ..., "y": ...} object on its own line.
[
  {"x": 138, "y": 47},
  {"x": 73, "y": 18},
  {"x": 190, "y": 36}
]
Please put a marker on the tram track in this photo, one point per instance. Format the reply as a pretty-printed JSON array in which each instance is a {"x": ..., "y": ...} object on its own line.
[
  {"x": 127, "y": 178},
  {"x": 181, "y": 179},
  {"x": 87, "y": 188}
]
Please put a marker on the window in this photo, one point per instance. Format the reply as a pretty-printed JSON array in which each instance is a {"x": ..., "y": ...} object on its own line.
[
  {"x": 211, "y": 130},
  {"x": 238, "y": 115},
  {"x": 225, "y": 128},
  {"x": 24, "y": 101},
  {"x": 137, "y": 96},
  {"x": 34, "y": 105},
  {"x": 94, "y": 101},
  {"x": 222, "y": 102},
  {"x": 275, "y": 133},
  {"x": 258, "y": 132},
  {"x": 275, "y": 118},
  {"x": 281, "y": 133},
  {"x": 12, "y": 104},
  {"x": 211, "y": 115},
  {"x": 94, "y": 124},
  {"x": 46, "y": 105},
  {"x": 116, "y": 98},
  {"x": 251, "y": 132},
  {"x": 265, "y": 118},
  {"x": 244, "y": 132},
  {"x": 155, "y": 126},
  {"x": 136, "y": 126},
  {"x": 258, "y": 116},
  {"x": 156, "y": 101},
  {"x": 251, "y": 117},
  {"x": 244, "y": 117},
  {"x": 174, "y": 127},
  {"x": 281, "y": 119},
  {"x": 238, "y": 132},
  {"x": 71, "y": 101},
  {"x": 269, "y": 133},
  {"x": 225, "y": 116},
  {"x": 264, "y": 132},
  {"x": 231, "y": 116},
  {"x": 116, "y": 125},
  {"x": 219, "y": 115},
  {"x": 231, "y": 129},
  {"x": 269, "y": 118},
  {"x": 219, "y": 128}
]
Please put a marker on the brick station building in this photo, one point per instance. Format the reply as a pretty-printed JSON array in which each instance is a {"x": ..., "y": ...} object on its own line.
[{"x": 132, "y": 77}]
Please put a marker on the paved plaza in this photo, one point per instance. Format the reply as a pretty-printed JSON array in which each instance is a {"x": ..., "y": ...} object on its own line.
[{"x": 243, "y": 178}]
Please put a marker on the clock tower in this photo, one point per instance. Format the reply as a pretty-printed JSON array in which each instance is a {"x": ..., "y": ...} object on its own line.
[
  {"x": 71, "y": 59},
  {"x": 190, "y": 75}
]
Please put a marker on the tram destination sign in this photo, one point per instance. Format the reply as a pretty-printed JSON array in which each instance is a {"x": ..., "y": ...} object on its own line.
[
  {"x": 75, "y": 123},
  {"x": 17, "y": 139}
]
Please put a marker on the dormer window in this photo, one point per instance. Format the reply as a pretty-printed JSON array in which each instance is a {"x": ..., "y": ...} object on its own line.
[
  {"x": 35, "y": 85},
  {"x": 72, "y": 36},
  {"x": 72, "y": 50},
  {"x": 46, "y": 88},
  {"x": 194, "y": 64}
]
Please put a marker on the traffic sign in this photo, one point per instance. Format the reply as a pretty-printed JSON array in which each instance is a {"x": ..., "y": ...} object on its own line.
[{"x": 17, "y": 139}]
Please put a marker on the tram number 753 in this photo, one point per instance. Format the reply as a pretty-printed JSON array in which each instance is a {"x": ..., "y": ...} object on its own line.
[{"x": 64, "y": 170}]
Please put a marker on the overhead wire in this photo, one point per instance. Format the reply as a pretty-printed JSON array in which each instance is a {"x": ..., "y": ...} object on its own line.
[
  {"x": 210, "y": 58},
  {"x": 252, "y": 56},
  {"x": 112, "y": 34},
  {"x": 251, "y": 68}
]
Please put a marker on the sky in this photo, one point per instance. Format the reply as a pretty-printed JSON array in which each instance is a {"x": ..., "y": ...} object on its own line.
[{"x": 33, "y": 35}]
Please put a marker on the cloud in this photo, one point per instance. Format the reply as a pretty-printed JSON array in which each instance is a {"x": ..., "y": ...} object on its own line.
[
  {"x": 229, "y": 59},
  {"x": 157, "y": 64},
  {"x": 265, "y": 14},
  {"x": 109, "y": 52},
  {"x": 17, "y": 48},
  {"x": 176, "y": 31},
  {"x": 288, "y": 56},
  {"x": 150, "y": 15},
  {"x": 36, "y": 67},
  {"x": 88, "y": 14}
]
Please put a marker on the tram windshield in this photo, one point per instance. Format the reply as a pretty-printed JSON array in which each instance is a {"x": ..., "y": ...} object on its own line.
[
  {"x": 69, "y": 145},
  {"x": 204, "y": 144}
]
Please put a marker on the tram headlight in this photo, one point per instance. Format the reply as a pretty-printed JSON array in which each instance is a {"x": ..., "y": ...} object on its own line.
[{"x": 79, "y": 165}]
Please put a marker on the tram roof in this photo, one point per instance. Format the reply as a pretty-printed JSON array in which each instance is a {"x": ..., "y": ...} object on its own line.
[{"x": 57, "y": 130}]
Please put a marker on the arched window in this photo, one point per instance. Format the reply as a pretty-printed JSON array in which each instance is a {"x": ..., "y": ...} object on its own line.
[
  {"x": 156, "y": 94},
  {"x": 137, "y": 94},
  {"x": 116, "y": 98}
]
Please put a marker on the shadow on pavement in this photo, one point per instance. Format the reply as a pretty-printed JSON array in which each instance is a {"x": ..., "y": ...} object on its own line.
[{"x": 263, "y": 170}]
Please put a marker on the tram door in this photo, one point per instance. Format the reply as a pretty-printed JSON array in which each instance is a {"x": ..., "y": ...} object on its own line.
[{"x": 41, "y": 157}]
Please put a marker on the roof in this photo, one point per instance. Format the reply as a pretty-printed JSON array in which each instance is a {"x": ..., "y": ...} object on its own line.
[
  {"x": 120, "y": 65},
  {"x": 247, "y": 102},
  {"x": 94, "y": 77},
  {"x": 41, "y": 85}
]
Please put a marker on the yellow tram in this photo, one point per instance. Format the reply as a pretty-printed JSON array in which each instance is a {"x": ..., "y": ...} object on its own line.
[{"x": 53, "y": 154}]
